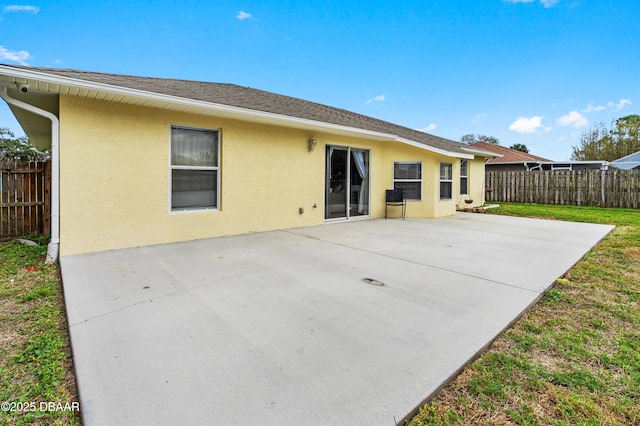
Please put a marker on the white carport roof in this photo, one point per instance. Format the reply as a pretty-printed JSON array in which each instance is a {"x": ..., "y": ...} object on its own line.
[{"x": 628, "y": 162}]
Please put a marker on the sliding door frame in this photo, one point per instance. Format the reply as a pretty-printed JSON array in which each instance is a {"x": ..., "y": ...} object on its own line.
[{"x": 347, "y": 183}]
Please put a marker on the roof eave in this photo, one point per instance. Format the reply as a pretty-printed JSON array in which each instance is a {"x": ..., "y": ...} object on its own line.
[
  {"x": 248, "y": 114},
  {"x": 483, "y": 153},
  {"x": 497, "y": 163},
  {"x": 576, "y": 162},
  {"x": 433, "y": 149}
]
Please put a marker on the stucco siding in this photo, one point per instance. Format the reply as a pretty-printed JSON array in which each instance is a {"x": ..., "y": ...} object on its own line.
[
  {"x": 114, "y": 177},
  {"x": 476, "y": 184}
]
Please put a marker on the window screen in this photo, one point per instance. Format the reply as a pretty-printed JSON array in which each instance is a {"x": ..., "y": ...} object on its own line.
[
  {"x": 194, "y": 168},
  {"x": 408, "y": 177}
]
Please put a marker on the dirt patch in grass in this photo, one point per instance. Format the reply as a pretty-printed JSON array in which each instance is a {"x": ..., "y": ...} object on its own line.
[
  {"x": 633, "y": 252},
  {"x": 8, "y": 309}
]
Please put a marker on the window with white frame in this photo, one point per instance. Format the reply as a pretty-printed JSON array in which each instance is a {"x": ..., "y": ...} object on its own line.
[
  {"x": 408, "y": 177},
  {"x": 446, "y": 181},
  {"x": 195, "y": 168},
  {"x": 464, "y": 178}
]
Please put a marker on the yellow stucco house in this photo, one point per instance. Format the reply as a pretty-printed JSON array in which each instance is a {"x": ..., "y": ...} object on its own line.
[{"x": 139, "y": 161}]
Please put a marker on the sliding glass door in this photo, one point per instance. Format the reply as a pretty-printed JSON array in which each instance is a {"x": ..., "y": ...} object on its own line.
[{"x": 346, "y": 182}]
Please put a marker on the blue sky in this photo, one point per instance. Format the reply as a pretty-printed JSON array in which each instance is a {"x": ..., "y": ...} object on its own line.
[{"x": 537, "y": 72}]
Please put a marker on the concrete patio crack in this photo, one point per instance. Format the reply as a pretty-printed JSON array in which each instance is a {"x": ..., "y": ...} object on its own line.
[
  {"x": 124, "y": 308},
  {"x": 364, "y": 250}
]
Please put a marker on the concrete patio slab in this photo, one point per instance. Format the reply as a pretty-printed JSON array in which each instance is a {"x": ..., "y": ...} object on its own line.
[{"x": 280, "y": 327}]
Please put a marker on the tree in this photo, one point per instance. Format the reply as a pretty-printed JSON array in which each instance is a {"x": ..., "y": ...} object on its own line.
[
  {"x": 470, "y": 138},
  {"x": 626, "y": 135},
  {"x": 592, "y": 143},
  {"x": 520, "y": 147},
  {"x": 600, "y": 143},
  {"x": 18, "y": 149}
]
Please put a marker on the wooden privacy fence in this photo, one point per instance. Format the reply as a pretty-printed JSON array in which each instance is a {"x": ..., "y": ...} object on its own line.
[
  {"x": 24, "y": 199},
  {"x": 604, "y": 188}
]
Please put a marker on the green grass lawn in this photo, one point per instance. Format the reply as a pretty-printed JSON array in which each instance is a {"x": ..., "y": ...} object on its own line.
[
  {"x": 35, "y": 358},
  {"x": 574, "y": 358}
]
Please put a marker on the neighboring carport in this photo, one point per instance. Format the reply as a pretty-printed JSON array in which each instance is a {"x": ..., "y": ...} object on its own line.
[{"x": 293, "y": 326}]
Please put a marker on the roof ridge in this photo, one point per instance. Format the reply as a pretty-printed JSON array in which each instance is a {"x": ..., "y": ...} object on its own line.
[
  {"x": 250, "y": 98},
  {"x": 510, "y": 152}
]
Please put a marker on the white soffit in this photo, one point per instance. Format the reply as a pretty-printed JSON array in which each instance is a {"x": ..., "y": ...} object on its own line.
[{"x": 53, "y": 84}]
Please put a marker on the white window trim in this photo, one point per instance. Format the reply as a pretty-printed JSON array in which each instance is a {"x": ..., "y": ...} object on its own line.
[
  {"x": 216, "y": 167},
  {"x": 445, "y": 181},
  {"x": 409, "y": 180},
  {"x": 465, "y": 176}
]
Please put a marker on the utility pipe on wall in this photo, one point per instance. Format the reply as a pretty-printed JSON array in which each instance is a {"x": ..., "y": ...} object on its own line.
[{"x": 53, "y": 249}]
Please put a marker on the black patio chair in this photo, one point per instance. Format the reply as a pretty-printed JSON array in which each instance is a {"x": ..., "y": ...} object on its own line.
[{"x": 395, "y": 197}]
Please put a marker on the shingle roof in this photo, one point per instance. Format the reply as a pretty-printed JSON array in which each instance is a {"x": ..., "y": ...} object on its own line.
[
  {"x": 256, "y": 100},
  {"x": 508, "y": 155}
]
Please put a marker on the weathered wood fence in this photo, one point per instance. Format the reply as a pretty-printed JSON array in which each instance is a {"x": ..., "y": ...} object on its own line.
[
  {"x": 604, "y": 188},
  {"x": 24, "y": 198}
]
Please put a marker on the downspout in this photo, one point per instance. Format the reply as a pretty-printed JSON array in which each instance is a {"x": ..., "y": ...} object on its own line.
[
  {"x": 53, "y": 249},
  {"x": 538, "y": 166}
]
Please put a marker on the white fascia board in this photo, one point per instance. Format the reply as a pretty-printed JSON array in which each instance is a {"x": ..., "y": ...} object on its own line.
[
  {"x": 83, "y": 84},
  {"x": 434, "y": 149},
  {"x": 484, "y": 153},
  {"x": 577, "y": 162},
  {"x": 500, "y": 163}
]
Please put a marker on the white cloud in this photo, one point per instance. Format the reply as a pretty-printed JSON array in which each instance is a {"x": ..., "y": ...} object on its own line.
[
  {"x": 479, "y": 117},
  {"x": 573, "y": 119},
  {"x": 548, "y": 3},
  {"x": 242, "y": 15},
  {"x": 621, "y": 104},
  {"x": 20, "y": 56},
  {"x": 24, "y": 8},
  {"x": 430, "y": 128},
  {"x": 593, "y": 108},
  {"x": 526, "y": 124},
  {"x": 377, "y": 99}
]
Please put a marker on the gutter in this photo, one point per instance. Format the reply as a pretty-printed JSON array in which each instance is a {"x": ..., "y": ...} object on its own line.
[
  {"x": 538, "y": 166},
  {"x": 432, "y": 148},
  {"x": 483, "y": 152},
  {"x": 53, "y": 249},
  {"x": 247, "y": 114}
]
